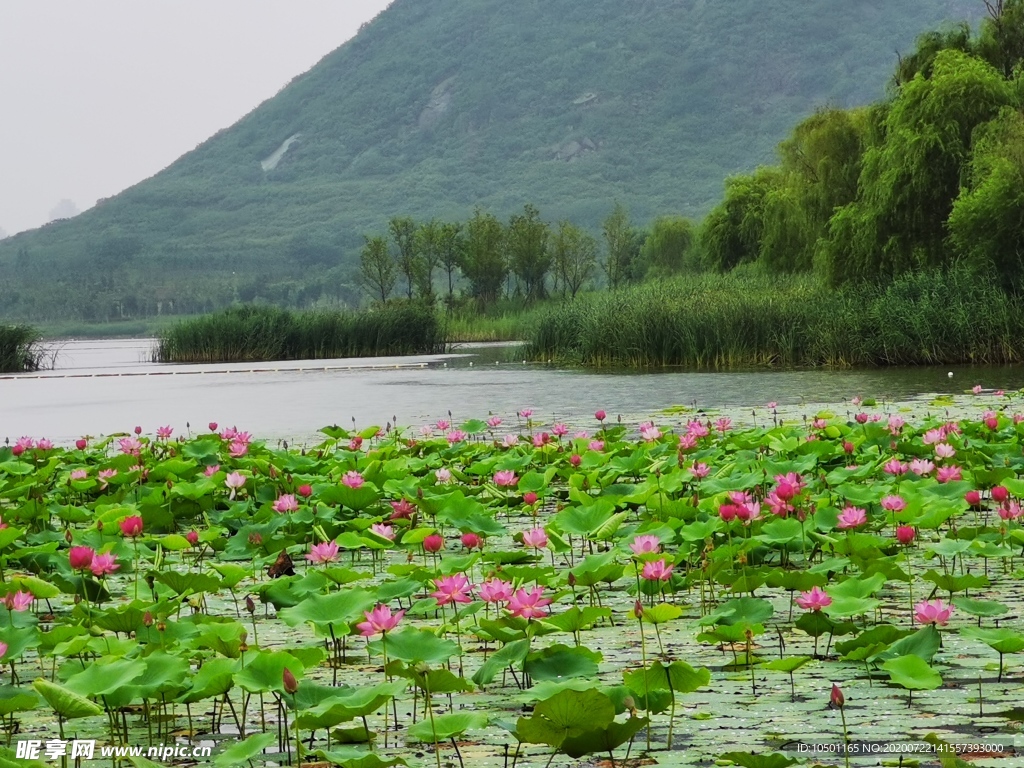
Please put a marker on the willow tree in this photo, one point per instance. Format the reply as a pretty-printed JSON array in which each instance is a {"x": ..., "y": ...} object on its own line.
[
  {"x": 987, "y": 222},
  {"x": 912, "y": 171},
  {"x": 483, "y": 256},
  {"x": 731, "y": 233}
]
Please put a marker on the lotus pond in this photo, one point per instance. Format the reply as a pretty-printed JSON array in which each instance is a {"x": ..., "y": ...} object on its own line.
[{"x": 507, "y": 592}]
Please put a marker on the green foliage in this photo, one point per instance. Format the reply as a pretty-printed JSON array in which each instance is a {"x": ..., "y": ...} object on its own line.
[
  {"x": 19, "y": 349},
  {"x": 377, "y": 269},
  {"x": 574, "y": 258},
  {"x": 668, "y": 248},
  {"x": 723, "y": 321},
  {"x": 529, "y": 257},
  {"x": 483, "y": 259},
  {"x": 267, "y": 333}
]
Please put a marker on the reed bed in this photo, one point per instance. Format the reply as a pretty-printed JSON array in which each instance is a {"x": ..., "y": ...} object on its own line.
[
  {"x": 20, "y": 349},
  {"x": 253, "y": 333},
  {"x": 730, "y": 321}
]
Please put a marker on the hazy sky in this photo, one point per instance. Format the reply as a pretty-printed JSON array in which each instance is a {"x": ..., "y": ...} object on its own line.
[{"x": 96, "y": 95}]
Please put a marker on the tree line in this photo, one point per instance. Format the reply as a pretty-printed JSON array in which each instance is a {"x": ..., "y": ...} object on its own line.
[
  {"x": 932, "y": 175},
  {"x": 525, "y": 257}
]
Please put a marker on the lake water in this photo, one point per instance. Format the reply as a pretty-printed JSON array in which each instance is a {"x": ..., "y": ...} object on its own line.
[{"x": 104, "y": 386}]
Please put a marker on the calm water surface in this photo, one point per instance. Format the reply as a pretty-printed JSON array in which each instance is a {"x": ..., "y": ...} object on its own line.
[{"x": 99, "y": 387}]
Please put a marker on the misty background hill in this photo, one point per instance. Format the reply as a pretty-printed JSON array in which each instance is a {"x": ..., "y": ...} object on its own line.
[{"x": 440, "y": 106}]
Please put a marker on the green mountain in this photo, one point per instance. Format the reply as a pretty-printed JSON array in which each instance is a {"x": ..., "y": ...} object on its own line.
[{"x": 438, "y": 106}]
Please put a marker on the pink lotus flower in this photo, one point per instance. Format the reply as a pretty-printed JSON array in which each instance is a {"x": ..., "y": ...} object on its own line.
[
  {"x": 973, "y": 498},
  {"x": 699, "y": 470},
  {"x": 526, "y": 413},
  {"x": 645, "y": 544},
  {"x": 426, "y": 431},
  {"x": 234, "y": 481},
  {"x": 442, "y": 424},
  {"x": 529, "y": 605},
  {"x": 600, "y": 415},
  {"x": 723, "y": 425},
  {"x": 649, "y": 432},
  {"x": 496, "y": 591},
  {"x": 131, "y": 526},
  {"x": 778, "y": 506},
  {"x": 18, "y": 601},
  {"x": 922, "y": 467},
  {"x": 536, "y": 538},
  {"x": 748, "y": 512},
  {"x": 541, "y": 439},
  {"x": 130, "y": 445},
  {"x": 852, "y": 517},
  {"x": 79, "y": 474},
  {"x": 1011, "y": 510},
  {"x": 657, "y": 570},
  {"x": 856, "y": 400},
  {"x": 575, "y": 460},
  {"x": 104, "y": 564},
  {"x": 848, "y": 447},
  {"x": 814, "y": 600},
  {"x": 443, "y": 476},
  {"x": 212, "y": 426},
  {"x": 559, "y": 429},
  {"x": 44, "y": 444},
  {"x": 401, "y": 509},
  {"x": 861, "y": 418},
  {"x": 933, "y": 436},
  {"x": 211, "y": 470},
  {"x": 893, "y": 503},
  {"x": 494, "y": 421},
  {"x": 3, "y": 650},
  {"x": 238, "y": 449},
  {"x": 433, "y": 543},
  {"x": 1000, "y": 494},
  {"x": 104, "y": 475},
  {"x": 896, "y": 425},
  {"x": 472, "y": 541},
  {"x": 352, "y": 479},
  {"x": 933, "y": 612},
  {"x": 327, "y": 552},
  {"x": 379, "y": 621},
  {"x": 772, "y": 405},
  {"x": 456, "y": 436},
  {"x": 905, "y": 534},
  {"x": 80, "y": 558},
  {"x": 529, "y": 498},
  {"x": 164, "y": 433},
  {"x": 596, "y": 445},
  {"x": 305, "y": 490},
  {"x": 192, "y": 537},
  {"x": 286, "y": 503},
  {"x": 727, "y": 512},
  {"x": 452, "y": 589},
  {"x": 697, "y": 429},
  {"x": 895, "y": 467},
  {"x": 944, "y": 451},
  {"x": 138, "y": 430},
  {"x": 510, "y": 441},
  {"x": 505, "y": 478},
  {"x": 976, "y": 389},
  {"x": 81, "y": 443},
  {"x": 948, "y": 474},
  {"x": 384, "y": 531}
]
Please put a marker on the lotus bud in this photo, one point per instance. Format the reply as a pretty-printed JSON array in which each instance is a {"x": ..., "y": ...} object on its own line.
[
  {"x": 572, "y": 579},
  {"x": 837, "y": 699},
  {"x": 291, "y": 685},
  {"x": 250, "y": 606},
  {"x": 638, "y": 609},
  {"x": 147, "y": 619},
  {"x": 161, "y": 626}
]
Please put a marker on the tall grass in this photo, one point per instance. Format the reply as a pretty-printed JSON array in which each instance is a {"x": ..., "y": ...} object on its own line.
[
  {"x": 730, "y": 321},
  {"x": 20, "y": 349},
  {"x": 251, "y": 333}
]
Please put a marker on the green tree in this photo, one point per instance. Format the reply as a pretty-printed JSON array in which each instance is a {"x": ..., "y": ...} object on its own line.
[
  {"x": 451, "y": 247},
  {"x": 912, "y": 171},
  {"x": 621, "y": 245},
  {"x": 428, "y": 244},
  {"x": 575, "y": 257},
  {"x": 483, "y": 261},
  {"x": 667, "y": 248},
  {"x": 526, "y": 242},
  {"x": 403, "y": 234},
  {"x": 377, "y": 268},
  {"x": 732, "y": 232},
  {"x": 986, "y": 225},
  {"x": 1001, "y": 42}
]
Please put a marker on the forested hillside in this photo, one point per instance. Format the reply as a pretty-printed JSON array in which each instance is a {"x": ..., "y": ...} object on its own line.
[{"x": 440, "y": 106}]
